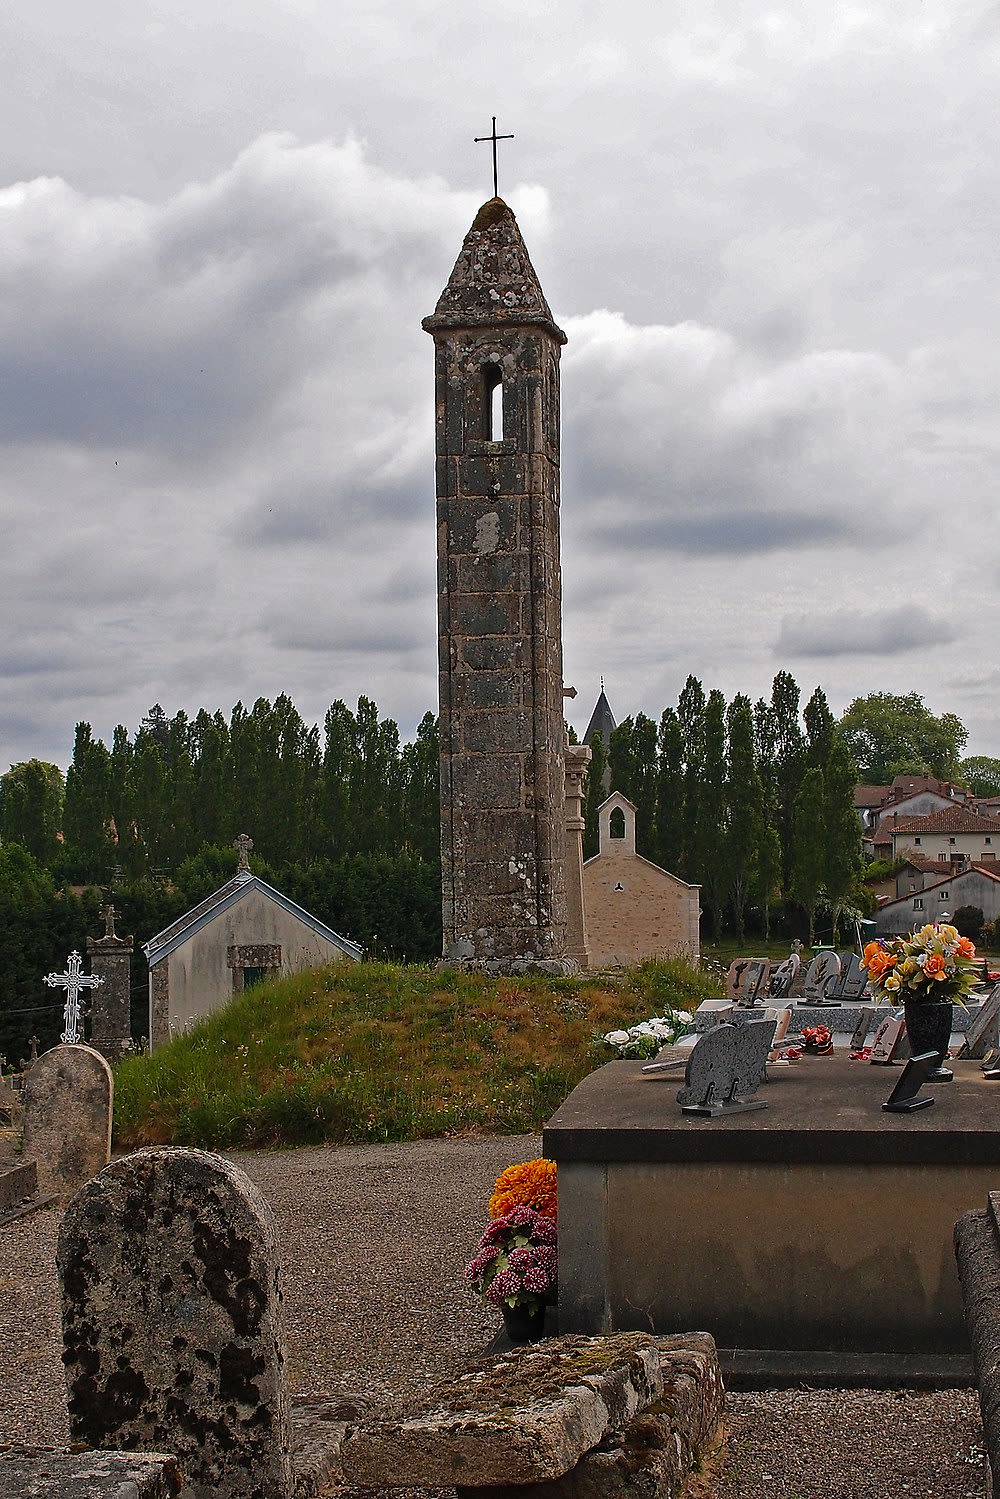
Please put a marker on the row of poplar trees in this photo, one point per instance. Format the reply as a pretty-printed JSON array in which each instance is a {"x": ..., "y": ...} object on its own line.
[
  {"x": 753, "y": 801},
  {"x": 150, "y": 801}
]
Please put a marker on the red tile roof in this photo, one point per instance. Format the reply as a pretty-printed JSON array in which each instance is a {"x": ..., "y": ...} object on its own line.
[{"x": 955, "y": 819}]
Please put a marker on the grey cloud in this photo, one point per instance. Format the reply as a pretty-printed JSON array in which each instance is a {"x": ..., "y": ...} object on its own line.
[{"x": 847, "y": 632}]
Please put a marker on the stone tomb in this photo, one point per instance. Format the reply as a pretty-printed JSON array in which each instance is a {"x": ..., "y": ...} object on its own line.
[
  {"x": 814, "y": 1236},
  {"x": 67, "y": 1099}
]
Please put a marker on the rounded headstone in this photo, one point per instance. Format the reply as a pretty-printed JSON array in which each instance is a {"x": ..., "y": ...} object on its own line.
[
  {"x": 67, "y": 1100},
  {"x": 172, "y": 1327}
]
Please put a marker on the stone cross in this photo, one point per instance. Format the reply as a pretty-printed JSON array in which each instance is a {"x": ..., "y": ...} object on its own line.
[
  {"x": 74, "y": 980},
  {"x": 109, "y": 913},
  {"x": 243, "y": 844}
]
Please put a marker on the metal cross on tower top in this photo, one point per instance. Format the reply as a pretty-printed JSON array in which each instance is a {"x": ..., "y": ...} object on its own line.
[
  {"x": 494, "y": 138},
  {"x": 243, "y": 844},
  {"x": 74, "y": 980}
]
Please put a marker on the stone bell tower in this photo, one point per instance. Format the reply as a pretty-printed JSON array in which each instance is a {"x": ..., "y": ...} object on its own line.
[{"x": 499, "y": 602}]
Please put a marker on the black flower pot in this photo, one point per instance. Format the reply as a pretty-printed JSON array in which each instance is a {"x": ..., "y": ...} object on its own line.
[
  {"x": 524, "y": 1324},
  {"x": 928, "y": 1026}
]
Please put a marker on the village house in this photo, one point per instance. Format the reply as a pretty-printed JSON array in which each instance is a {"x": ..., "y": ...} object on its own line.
[
  {"x": 952, "y": 834},
  {"x": 974, "y": 885}
]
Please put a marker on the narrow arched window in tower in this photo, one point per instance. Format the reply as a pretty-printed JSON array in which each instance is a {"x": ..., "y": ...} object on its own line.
[
  {"x": 492, "y": 403},
  {"x": 616, "y": 823}
]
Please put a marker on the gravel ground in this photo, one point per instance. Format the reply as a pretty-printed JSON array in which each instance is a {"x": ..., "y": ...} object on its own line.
[{"x": 377, "y": 1237}]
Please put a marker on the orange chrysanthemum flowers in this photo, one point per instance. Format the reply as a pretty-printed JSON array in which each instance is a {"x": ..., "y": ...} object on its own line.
[{"x": 530, "y": 1184}]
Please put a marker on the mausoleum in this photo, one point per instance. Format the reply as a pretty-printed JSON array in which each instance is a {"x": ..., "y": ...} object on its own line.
[{"x": 244, "y": 932}]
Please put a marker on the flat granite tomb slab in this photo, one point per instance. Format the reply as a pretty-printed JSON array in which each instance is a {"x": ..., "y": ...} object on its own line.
[{"x": 812, "y": 1239}]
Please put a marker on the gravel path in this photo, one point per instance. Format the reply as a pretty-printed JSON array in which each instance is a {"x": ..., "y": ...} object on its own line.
[{"x": 377, "y": 1237}]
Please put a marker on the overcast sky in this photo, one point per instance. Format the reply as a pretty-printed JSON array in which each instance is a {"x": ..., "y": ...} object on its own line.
[{"x": 770, "y": 233}]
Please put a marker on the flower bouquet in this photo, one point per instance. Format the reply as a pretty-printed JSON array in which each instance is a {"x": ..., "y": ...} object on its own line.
[
  {"x": 529, "y": 1184},
  {"x": 516, "y": 1268},
  {"x": 818, "y": 1040},
  {"x": 644, "y": 1040},
  {"x": 927, "y": 973},
  {"x": 932, "y": 966}
]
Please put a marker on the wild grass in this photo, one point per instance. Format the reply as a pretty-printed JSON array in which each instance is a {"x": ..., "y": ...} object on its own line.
[{"x": 378, "y": 1051}]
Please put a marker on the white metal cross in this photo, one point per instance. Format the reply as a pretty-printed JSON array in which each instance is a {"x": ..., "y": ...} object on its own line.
[{"x": 73, "y": 981}]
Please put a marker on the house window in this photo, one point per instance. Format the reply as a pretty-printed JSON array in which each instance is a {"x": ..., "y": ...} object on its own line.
[
  {"x": 951, "y": 840},
  {"x": 252, "y": 976},
  {"x": 492, "y": 403},
  {"x": 942, "y": 858},
  {"x": 918, "y": 904},
  {"x": 917, "y": 842},
  {"x": 616, "y": 823},
  {"x": 943, "y": 895},
  {"x": 987, "y": 840}
]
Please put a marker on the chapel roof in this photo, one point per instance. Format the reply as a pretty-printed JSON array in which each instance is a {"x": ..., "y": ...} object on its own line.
[{"x": 493, "y": 280}]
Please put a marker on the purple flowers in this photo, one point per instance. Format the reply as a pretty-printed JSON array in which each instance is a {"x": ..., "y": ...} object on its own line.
[{"x": 517, "y": 1260}]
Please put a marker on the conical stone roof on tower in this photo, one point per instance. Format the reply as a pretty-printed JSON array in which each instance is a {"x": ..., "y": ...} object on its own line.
[{"x": 499, "y": 602}]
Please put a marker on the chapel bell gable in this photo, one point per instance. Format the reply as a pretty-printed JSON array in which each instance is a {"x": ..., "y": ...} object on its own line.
[{"x": 616, "y": 825}]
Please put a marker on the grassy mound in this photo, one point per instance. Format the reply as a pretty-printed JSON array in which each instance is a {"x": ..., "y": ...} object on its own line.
[{"x": 375, "y": 1051}]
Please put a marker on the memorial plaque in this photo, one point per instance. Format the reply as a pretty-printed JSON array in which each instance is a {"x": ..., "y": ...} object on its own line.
[
  {"x": 755, "y": 978},
  {"x": 918, "y": 1070},
  {"x": 823, "y": 971},
  {"x": 860, "y": 1033},
  {"x": 885, "y": 1047}
]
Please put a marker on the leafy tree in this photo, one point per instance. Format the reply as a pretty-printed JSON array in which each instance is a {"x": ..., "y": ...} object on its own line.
[
  {"x": 745, "y": 810},
  {"x": 632, "y": 754},
  {"x": 889, "y": 734},
  {"x": 842, "y": 863},
  {"x": 669, "y": 836},
  {"x": 712, "y": 827},
  {"x": 808, "y": 854},
  {"x": 820, "y": 725},
  {"x": 31, "y": 807},
  {"x": 87, "y": 822},
  {"x": 981, "y": 775},
  {"x": 789, "y": 763},
  {"x": 970, "y": 921},
  {"x": 691, "y": 715},
  {"x": 421, "y": 795}
]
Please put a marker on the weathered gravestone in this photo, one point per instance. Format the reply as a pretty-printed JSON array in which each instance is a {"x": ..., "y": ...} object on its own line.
[
  {"x": 850, "y": 982},
  {"x": 67, "y": 1100},
  {"x": 111, "y": 963},
  {"x": 784, "y": 976},
  {"x": 983, "y": 1035},
  {"x": 172, "y": 1324}
]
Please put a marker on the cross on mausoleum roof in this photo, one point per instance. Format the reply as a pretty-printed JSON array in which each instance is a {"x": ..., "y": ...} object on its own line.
[
  {"x": 494, "y": 138},
  {"x": 243, "y": 844}
]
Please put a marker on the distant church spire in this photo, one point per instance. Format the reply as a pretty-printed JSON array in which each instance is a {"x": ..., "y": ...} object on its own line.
[{"x": 602, "y": 720}]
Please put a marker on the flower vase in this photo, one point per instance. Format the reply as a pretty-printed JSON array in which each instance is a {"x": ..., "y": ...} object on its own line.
[
  {"x": 928, "y": 1027},
  {"x": 524, "y": 1324}
]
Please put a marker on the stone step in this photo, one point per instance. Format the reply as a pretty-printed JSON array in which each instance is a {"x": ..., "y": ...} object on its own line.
[
  {"x": 54, "y": 1473},
  {"x": 18, "y": 1182}
]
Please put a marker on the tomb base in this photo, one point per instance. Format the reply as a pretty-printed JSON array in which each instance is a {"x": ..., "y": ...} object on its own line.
[{"x": 818, "y": 1230}]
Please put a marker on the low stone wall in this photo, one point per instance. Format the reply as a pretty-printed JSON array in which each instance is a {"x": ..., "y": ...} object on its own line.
[{"x": 977, "y": 1249}]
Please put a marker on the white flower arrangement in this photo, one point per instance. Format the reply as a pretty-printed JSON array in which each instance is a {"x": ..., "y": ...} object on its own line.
[{"x": 645, "y": 1039}]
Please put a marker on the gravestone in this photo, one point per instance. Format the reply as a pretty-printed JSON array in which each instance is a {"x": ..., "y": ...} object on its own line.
[
  {"x": 822, "y": 972},
  {"x": 983, "y": 1035},
  {"x": 734, "y": 976},
  {"x": 850, "y": 982},
  {"x": 756, "y": 978},
  {"x": 860, "y": 1033},
  {"x": 172, "y": 1325},
  {"x": 783, "y": 976},
  {"x": 67, "y": 1099},
  {"x": 111, "y": 963},
  {"x": 725, "y": 1068}
]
